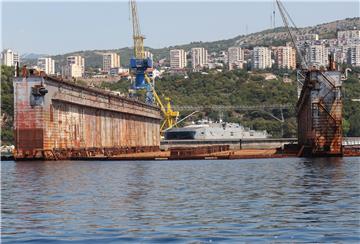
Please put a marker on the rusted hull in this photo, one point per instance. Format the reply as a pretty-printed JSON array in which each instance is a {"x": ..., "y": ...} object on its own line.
[
  {"x": 193, "y": 152},
  {"x": 71, "y": 120},
  {"x": 319, "y": 114}
]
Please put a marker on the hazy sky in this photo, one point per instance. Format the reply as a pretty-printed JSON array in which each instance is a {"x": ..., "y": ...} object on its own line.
[{"x": 50, "y": 27}]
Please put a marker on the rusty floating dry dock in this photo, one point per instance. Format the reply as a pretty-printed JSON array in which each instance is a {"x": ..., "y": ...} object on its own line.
[
  {"x": 56, "y": 119},
  {"x": 319, "y": 113}
]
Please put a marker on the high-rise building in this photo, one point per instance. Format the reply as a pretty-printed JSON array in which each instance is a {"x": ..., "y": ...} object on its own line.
[
  {"x": 261, "y": 58},
  {"x": 236, "y": 57},
  {"x": 77, "y": 60},
  {"x": 75, "y": 67},
  {"x": 177, "y": 59},
  {"x": 110, "y": 60},
  {"x": 9, "y": 57},
  {"x": 199, "y": 58},
  {"x": 47, "y": 65},
  {"x": 317, "y": 55},
  {"x": 354, "y": 55},
  {"x": 72, "y": 71},
  {"x": 285, "y": 57}
]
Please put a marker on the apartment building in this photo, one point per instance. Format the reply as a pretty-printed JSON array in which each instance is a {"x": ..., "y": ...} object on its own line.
[
  {"x": 9, "y": 57},
  {"x": 317, "y": 55},
  {"x": 236, "y": 58},
  {"x": 47, "y": 65},
  {"x": 261, "y": 58},
  {"x": 74, "y": 68},
  {"x": 199, "y": 58},
  {"x": 285, "y": 57},
  {"x": 178, "y": 59},
  {"x": 110, "y": 60},
  {"x": 148, "y": 54},
  {"x": 354, "y": 55},
  {"x": 348, "y": 34}
]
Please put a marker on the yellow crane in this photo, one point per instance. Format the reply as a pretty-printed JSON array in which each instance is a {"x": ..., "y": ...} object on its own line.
[
  {"x": 140, "y": 66},
  {"x": 170, "y": 116},
  {"x": 137, "y": 36}
]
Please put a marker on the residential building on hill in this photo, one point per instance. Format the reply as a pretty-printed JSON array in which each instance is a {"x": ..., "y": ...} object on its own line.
[
  {"x": 199, "y": 58},
  {"x": 285, "y": 57},
  {"x": 110, "y": 60},
  {"x": 178, "y": 59},
  {"x": 236, "y": 58},
  {"x": 9, "y": 57},
  {"x": 354, "y": 55},
  {"x": 74, "y": 68},
  {"x": 47, "y": 65},
  {"x": 261, "y": 58}
]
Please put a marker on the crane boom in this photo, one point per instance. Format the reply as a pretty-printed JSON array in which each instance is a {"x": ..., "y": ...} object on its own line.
[
  {"x": 137, "y": 36},
  {"x": 170, "y": 116}
]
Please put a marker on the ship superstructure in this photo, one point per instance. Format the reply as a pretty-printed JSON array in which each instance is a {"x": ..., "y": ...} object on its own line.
[{"x": 207, "y": 130}]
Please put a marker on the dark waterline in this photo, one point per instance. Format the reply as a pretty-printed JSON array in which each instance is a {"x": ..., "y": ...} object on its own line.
[{"x": 263, "y": 200}]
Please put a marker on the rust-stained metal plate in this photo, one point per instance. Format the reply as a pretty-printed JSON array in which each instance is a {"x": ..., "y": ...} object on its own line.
[{"x": 72, "y": 118}]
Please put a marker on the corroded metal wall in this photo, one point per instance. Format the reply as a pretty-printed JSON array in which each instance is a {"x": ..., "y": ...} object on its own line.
[
  {"x": 74, "y": 117},
  {"x": 320, "y": 113}
]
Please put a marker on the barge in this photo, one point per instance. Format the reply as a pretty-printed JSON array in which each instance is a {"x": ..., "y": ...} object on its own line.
[{"x": 58, "y": 119}]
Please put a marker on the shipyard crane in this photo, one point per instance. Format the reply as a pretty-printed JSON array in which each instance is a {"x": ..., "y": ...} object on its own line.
[
  {"x": 138, "y": 63},
  {"x": 140, "y": 68}
]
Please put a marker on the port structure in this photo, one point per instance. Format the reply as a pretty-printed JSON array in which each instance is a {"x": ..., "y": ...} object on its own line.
[
  {"x": 319, "y": 107},
  {"x": 141, "y": 67},
  {"x": 58, "y": 119},
  {"x": 138, "y": 63}
]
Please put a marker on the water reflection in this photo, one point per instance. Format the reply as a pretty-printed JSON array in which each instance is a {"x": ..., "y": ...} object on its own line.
[{"x": 189, "y": 201}]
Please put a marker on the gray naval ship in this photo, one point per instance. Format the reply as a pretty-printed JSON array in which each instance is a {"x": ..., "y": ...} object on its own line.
[{"x": 207, "y": 130}]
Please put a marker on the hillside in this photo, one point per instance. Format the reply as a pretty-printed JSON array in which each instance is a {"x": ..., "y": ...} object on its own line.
[
  {"x": 274, "y": 37},
  {"x": 236, "y": 88}
]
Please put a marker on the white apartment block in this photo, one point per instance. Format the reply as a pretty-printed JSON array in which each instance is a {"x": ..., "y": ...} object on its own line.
[
  {"x": 348, "y": 34},
  {"x": 74, "y": 68},
  {"x": 72, "y": 71},
  {"x": 199, "y": 58},
  {"x": 47, "y": 65},
  {"x": 354, "y": 55},
  {"x": 178, "y": 59},
  {"x": 110, "y": 60},
  {"x": 148, "y": 54},
  {"x": 76, "y": 60},
  {"x": 261, "y": 58},
  {"x": 236, "y": 57},
  {"x": 285, "y": 57},
  {"x": 9, "y": 57},
  {"x": 317, "y": 55}
]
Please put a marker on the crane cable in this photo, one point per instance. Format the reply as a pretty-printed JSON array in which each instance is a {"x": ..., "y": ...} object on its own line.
[{"x": 284, "y": 15}]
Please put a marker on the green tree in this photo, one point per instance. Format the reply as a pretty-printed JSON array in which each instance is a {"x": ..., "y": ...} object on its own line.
[
  {"x": 354, "y": 125},
  {"x": 7, "y": 105}
]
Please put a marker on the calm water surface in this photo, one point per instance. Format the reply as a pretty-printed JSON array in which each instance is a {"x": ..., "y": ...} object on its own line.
[{"x": 270, "y": 200}]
